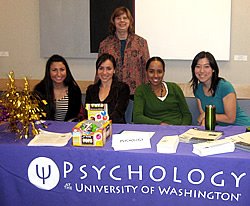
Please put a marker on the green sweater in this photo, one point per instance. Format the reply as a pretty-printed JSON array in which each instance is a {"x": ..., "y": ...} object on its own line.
[{"x": 148, "y": 109}]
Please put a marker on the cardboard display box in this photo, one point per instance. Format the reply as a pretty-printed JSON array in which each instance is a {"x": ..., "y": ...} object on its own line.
[
  {"x": 95, "y": 130},
  {"x": 91, "y": 133}
]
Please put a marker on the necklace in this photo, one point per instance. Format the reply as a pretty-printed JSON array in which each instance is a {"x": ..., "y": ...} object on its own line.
[{"x": 161, "y": 92}]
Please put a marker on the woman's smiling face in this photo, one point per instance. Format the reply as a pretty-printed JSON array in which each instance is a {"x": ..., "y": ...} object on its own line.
[
  {"x": 155, "y": 73},
  {"x": 203, "y": 71}
]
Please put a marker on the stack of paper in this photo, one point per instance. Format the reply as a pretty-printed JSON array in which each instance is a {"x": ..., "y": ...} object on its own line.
[
  {"x": 45, "y": 138},
  {"x": 242, "y": 141},
  {"x": 128, "y": 140},
  {"x": 198, "y": 135},
  {"x": 214, "y": 147},
  {"x": 168, "y": 144}
]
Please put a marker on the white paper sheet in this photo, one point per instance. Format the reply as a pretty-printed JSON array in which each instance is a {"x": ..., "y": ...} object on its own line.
[
  {"x": 129, "y": 140},
  {"x": 45, "y": 138}
]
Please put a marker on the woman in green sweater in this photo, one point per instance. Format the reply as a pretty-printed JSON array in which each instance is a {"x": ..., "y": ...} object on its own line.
[{"x": 159, "y": 102}]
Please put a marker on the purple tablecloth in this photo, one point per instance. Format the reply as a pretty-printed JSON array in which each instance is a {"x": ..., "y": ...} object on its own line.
[{"x": 101, "y": 176}]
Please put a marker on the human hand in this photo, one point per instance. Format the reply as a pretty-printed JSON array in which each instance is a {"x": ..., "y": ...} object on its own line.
[
  {"x": 163, "y": 123},
  {"x": 203, "y": 122},
  {"x": 201, "y": 119}
]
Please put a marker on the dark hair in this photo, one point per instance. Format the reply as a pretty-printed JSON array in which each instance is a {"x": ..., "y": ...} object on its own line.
[
  {"x": 103, "y": 58},
  {"x": 213, "y": 64},
  {"x": 117, "y": 12},
  {"x": 47, "y": 81},
  {"x": 155, "y": 59}
]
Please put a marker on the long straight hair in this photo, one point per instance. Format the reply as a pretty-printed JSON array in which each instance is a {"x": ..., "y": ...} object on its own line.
[
  {"x": 47, "y": 81},
  {"x": 213, "y": 64},
  {"x": 103, "y": 58}
]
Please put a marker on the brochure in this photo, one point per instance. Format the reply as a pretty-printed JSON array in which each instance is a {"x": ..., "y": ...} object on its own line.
[
  {"x": 214, "y": 147},
  {"x": 168, "y": 144},
  {"x": 197, "y": 135}
]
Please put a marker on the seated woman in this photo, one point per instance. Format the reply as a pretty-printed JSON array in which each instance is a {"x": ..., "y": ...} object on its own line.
[
  {"x": 60, "y": 90},
  {"x": 210, "y": 89},
  {"x": 108, "y": 89},
  {"x": 159, "y": 102}
]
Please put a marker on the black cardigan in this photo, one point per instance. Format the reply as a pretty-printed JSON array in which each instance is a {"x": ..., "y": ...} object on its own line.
[
  {"x": 75, "y": 101},
  {"x": 117, "y": 99}
]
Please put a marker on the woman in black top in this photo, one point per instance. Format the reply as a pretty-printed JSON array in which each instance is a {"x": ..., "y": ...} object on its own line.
[
  {"x": 108, "y": 89},
  {"x": 60, "y": 90}
]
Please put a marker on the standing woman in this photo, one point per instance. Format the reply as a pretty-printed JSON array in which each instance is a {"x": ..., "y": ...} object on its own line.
[
  {"x": 210, "y": 89},
  {"x": 159, "y": 102},
  {"x": 129, "y": 50},
  {"x": 60, "y": 90},
  {"x": 108, "y": 89}
]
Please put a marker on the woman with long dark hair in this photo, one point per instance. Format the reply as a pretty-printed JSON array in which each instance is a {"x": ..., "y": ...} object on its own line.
[
  {"x": 60, "y": 90},
  {"x": 108, "y": 89},
  {"x": 211, "y": 89}
]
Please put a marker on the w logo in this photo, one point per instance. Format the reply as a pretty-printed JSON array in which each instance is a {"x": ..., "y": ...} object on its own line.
[{"x": 43, "y": 173}]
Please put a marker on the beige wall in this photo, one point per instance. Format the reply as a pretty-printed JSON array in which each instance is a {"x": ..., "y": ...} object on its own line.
[{"x": 19, "y": 35}]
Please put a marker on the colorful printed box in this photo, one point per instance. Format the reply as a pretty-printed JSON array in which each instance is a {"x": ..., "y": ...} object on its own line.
[
  {"x": 97, "y": 112},
  {"x": 91, "y": 133}
]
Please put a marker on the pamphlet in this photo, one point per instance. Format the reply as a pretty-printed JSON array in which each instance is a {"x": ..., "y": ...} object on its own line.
[
  {"x": 197, "y": 135},
  {"x": 242, "y": 141},
  {"x": 168, "y": 144},
  {"x": 214, "y": 147}
]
